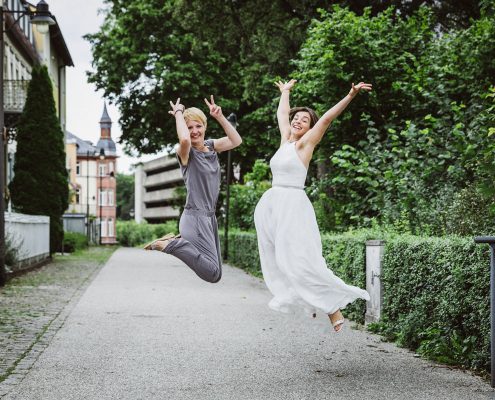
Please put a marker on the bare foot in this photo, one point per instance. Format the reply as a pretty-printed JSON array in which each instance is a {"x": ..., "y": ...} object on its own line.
[{"x": 337, "y": 320}]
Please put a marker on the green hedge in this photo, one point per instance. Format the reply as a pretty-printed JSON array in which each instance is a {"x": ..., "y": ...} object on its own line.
[
  {"x": 436, "y": 290},
  {"x": 74, "y": 241},
  {"x": 131, "y": 234},
  {"x": 436, "y": 298}
]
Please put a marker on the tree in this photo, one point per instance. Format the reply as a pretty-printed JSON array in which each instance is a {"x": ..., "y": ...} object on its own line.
[
  {"x": 125, "y": 196},
  {"x": 423, "y": 135},
  {"x": 40, "y": 185},
  {"x": 192, "y": 48}
]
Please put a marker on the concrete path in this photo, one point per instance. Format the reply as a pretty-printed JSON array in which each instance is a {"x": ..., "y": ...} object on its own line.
[{"x": 148, "y": 328}]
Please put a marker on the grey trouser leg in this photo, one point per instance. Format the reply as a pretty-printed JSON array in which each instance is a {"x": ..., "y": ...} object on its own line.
[{"x": 199, "y": 245}]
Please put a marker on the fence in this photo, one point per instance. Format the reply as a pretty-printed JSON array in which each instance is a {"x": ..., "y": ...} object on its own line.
[{"x": 29, "y": 235}]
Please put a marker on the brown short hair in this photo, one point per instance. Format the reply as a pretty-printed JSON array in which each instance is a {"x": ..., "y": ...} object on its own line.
[{"x": 313, "y": 116}]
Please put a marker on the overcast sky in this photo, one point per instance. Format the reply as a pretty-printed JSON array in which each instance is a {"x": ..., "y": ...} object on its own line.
[{"x": 84, "y": 104}]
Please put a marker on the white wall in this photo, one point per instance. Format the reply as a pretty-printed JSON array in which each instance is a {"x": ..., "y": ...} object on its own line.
[{"x": 30, "y": 234}]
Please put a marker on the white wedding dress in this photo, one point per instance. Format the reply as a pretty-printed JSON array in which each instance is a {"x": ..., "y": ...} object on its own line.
[{"x": 289, "y": 244}]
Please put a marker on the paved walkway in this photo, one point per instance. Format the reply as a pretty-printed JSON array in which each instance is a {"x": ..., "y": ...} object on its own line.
[
  {"x": 148, "y": 328},
  {"x": 33, "y": 307}
]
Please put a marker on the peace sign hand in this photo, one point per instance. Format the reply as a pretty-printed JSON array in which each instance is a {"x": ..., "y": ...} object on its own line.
[
  {"x": 176, "y": 107},
  {"x": 215, "y": 110},
  {"x": 285, "y": 85},
  {"x": 360, "y": 86}
]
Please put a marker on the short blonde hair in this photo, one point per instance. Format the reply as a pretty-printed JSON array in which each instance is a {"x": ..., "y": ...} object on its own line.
[{"x": 194, "y": 114}]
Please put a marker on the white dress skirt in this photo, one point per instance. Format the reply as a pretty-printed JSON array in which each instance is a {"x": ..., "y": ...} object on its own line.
[{"x": 290, "y": 247}]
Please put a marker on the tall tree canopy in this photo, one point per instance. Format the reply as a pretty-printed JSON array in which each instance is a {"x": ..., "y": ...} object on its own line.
[
  {"x": 148, "y": 52},
  {"x": 40, "y": 185}
]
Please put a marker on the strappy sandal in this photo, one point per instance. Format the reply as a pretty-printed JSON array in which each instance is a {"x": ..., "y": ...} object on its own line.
[
  {"x": 337, "y": 325},
  {"x": 168, "y": 236}
]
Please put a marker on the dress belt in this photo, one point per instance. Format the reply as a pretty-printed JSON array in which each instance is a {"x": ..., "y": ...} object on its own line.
[
  {"x": 205, "y": 213},
  {"x": 288, "y": 186}
]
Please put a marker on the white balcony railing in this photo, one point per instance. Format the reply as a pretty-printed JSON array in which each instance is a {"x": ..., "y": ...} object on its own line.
[{"x": 14, "y": 95}]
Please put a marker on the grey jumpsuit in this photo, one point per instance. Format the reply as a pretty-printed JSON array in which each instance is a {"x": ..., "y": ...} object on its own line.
[{"x": 199, "y": 245}]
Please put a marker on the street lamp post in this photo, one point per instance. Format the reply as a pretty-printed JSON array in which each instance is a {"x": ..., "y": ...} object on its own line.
[
  {"x": 102, "y": 157},
  {"x": 42, "y": 18},
  {"x": 232, "y": 118},
  {"x": 87, "y": 196}
]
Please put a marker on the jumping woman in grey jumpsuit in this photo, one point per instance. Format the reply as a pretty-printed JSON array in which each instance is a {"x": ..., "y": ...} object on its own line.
[{"x": 198, "y": 244}]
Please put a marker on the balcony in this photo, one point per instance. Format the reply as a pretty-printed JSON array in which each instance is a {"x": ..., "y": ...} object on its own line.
[{"x": 14, "y": 95}]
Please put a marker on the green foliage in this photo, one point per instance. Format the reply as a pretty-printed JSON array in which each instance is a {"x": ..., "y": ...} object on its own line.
[
  {"x": 436, "y": 298},
  {"x": 74, "y": 241},
  {"x": 40, "y": 185},
  {"x": 422, "y": 136},
  {"x": 131, "y": 234},
  {"x": 12, "y": 252},
  {"x": 125, "y": 196},
  {"x": 245, "y": 197},
  {"x": 243, "y": 251}
]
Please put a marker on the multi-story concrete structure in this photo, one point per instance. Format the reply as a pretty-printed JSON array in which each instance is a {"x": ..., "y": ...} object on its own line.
[
  {"x": 92, "y": 171},
  {"x": 25, "y": 47},
  {"x": 155, "y": 195}
]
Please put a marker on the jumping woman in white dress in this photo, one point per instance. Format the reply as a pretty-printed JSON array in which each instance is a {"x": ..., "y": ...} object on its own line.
[{"x": 289, "y": 241}]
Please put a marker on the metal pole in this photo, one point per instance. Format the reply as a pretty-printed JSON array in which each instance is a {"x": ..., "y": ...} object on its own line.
[
  {"x": 100, "y": 198},
  {"x": 3, "y": 273},
  {"x": 491, "y": 241},
  {"x": 492, "y": 311},
  {"x": 227, "y": 207},
  {"x": 232, "y": 118},
  {"x": 87, "y": 194}
]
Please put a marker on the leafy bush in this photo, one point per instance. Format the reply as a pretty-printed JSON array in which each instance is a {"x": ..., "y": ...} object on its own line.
[
  {"x": 12, "y": 250},
  {"x": 130, "y": 233},
  {"x": 74, "y": 241},
  {"x": 245, "y": 197},
  {"x": 435, "y": 290},
  {"x": 424, "y": 135},
  {"x": 436, "y": 298}
]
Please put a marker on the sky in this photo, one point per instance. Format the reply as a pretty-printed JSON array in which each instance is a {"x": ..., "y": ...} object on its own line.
[{"x": 76, "y": 18}]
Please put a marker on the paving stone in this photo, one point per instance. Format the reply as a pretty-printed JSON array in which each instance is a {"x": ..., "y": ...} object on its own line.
[{"x": 30, "y": 306}]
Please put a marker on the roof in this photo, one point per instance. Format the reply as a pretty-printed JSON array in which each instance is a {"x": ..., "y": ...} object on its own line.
[
  {"x": 108, "y": 145},
  {"x": 83, "y": 147},
  {"x": 105, "y": 118}
]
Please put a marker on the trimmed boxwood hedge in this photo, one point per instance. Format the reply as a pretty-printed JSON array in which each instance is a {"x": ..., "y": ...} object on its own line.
[
  {"x": 436, "y": 290},
  {"x": 132, "y": 234},
  {"x": 74, "y": 241},
  {"x": 436, "y": 298}
]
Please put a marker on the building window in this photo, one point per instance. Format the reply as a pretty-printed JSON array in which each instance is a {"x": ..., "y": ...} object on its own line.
[
  {"x": 110, "y": 227},
  {"x": 78, "y": 196},
  {"x": 103, "y": 198},
  {"x": 78, "y": 168},
  {"x": 103, "y": 169},
  {"x": 110, "y": 197},
  {"x": 103, "y": 227},
  {"x": 110, "y": 166}
]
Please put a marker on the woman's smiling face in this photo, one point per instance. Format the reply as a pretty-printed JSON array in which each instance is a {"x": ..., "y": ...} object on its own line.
[
  {"x": 300, "y": 124},
  {"x": 196, "y": 131}
]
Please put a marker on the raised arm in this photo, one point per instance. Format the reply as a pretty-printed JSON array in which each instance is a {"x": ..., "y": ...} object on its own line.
[
  {"x": 315, "y": 134},
  {"x": 232, "y": 138},
  {"x": 284, "y": 108},
  {"x": 182, "y": 131}
]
